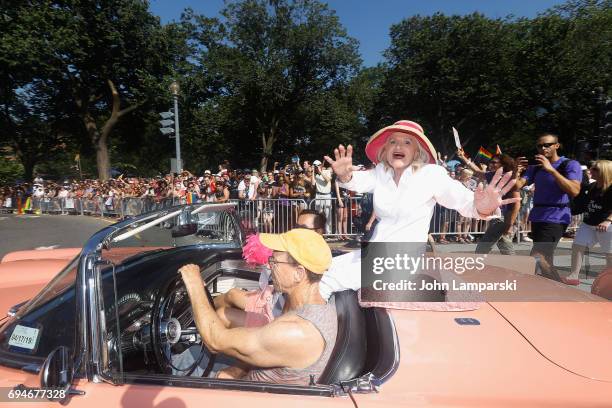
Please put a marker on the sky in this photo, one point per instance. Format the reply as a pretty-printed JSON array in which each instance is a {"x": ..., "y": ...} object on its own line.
[{"x": 369, "y": 20}]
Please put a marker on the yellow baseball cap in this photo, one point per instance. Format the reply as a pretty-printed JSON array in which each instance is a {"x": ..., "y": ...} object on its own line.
[{"x": 307, "y": 247}]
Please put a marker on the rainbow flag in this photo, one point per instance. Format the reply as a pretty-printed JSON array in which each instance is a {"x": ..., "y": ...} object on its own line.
[
  {"x": 191, "y": 198},
  {"x": 482, "y": 152}
]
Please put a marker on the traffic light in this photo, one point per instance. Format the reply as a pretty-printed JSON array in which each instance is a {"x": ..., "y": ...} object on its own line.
[{"x": 167, "y": 123}]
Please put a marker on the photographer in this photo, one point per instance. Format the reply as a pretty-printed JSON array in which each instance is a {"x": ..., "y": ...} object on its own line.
[
  {"x": 556, "y": 180},
  {"x": 323, "y": 181}
]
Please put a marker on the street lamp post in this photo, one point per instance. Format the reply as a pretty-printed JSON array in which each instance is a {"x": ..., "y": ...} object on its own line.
[{"x": 174, "y": 88}]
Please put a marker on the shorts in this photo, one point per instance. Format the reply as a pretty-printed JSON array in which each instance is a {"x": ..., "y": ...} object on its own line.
[
  {"x": 546, "y": 236},
  {"x": 258, "y": 308},
  {"x": 588, "y": 236}
]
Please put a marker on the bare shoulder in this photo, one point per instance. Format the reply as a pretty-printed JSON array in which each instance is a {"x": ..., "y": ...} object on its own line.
[{"x": 292, "y": 327}]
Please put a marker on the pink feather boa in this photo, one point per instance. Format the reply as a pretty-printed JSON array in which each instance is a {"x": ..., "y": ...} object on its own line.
[{"x": 254, "y": 252}]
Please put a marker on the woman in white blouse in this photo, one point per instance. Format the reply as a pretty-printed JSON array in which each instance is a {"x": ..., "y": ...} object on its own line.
[{"x": 406, "y": 184}]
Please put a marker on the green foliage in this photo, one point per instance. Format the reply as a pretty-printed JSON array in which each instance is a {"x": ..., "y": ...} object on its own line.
[
  {"x": 10, "y": 171},
  {"x": 499, "y": 81},
  {"x": 267, "y": 79},
  {"x": 73, "y": 54},
  {"x": 268, "y": 63}
]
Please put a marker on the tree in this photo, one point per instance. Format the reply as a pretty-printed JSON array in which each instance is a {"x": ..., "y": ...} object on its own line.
[
  {"x": 499, "y": 80},
  {"x": 449, "y": 71},
  {"x": 31, "y": 134},
  {"x": 107, "y": 58},
  {"x": 268, "y": 61}
]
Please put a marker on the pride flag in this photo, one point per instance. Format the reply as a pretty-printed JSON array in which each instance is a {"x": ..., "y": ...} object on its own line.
[
  {"x": 482, "y": 152},
  {"x": 191, "y": 198}
]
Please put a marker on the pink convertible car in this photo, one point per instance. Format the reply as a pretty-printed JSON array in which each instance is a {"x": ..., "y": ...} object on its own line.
[{"x": 104, "y": 331}]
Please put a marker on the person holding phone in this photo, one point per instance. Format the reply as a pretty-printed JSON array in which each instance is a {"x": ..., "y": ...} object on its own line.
[
  {"x": 323, "y": 185},
  {"x": 556, "y": 180}
]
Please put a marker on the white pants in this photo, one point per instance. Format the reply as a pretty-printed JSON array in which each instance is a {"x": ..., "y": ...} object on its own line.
[{"x": 323, "y": 204}]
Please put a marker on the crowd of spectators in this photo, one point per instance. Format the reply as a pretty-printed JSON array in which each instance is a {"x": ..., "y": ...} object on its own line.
[{"x": 277, "y": 196}]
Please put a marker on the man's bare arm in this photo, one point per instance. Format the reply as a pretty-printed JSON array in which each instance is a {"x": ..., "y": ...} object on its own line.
[
  {"x": 234, "y": 297},
  {"x": 571, "y": 187},
  {"x": 477, "y": 170},
  {"x": 278, "y": 344}
]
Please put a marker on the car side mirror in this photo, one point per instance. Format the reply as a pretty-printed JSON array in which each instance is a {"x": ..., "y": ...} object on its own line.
[
  {"x": 57, "y": 372},
  {"x": 184, "y": 230},
  {"x": 186, "y": 224}
]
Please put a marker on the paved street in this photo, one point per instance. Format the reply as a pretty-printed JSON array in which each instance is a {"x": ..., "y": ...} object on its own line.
[{"x": 37, "y": 231}]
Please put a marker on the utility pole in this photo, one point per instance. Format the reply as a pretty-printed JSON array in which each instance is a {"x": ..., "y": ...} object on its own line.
[{"x": 174, "y": 88}]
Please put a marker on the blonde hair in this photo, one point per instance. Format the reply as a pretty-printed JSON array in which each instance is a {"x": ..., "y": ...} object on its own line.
[
  {"x": 469, "y": 172},
  {"x": 421, "y": 157},
  {"x": 605, "y": 173}
]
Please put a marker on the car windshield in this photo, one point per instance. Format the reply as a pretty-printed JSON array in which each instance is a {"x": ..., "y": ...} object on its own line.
[
  {"x": 45, "y": 322},
  {"x": 64, "y": 281},
  {"x": 190, "y": 225}
]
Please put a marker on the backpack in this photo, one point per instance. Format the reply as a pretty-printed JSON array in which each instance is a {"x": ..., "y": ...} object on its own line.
[{"x": 576, "y": 204}]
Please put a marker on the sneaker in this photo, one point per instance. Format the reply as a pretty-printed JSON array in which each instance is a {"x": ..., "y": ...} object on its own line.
[{"x": 527, "y": 239}]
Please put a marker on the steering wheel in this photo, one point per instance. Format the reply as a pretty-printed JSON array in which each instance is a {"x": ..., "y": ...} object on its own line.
[{"x": 174, "y": 330}]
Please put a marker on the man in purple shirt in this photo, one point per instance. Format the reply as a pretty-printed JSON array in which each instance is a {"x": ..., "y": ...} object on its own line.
[{"x": 556, "y": 179}]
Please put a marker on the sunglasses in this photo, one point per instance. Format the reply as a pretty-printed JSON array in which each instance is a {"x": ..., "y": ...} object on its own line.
[
  {"x": 545, "y": 145},
  {"x": 304, "y": 226}
]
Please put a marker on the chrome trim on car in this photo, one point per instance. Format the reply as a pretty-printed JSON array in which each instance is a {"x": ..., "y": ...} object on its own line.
[
  {"x": 89, "y": 352},
  {"x": 144, "y": 227},
  {"x": 15, "y": 308}
]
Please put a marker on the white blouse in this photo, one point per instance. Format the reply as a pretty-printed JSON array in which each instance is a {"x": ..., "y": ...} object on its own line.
[{"x": 404, "y": 211}]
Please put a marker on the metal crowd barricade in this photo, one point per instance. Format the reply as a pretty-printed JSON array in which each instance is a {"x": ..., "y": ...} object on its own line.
[
  {"x": 336, "y": 216},
  {"x": 269, "y": 215},
  {"x": 7, "y": 205},
  {"x": 272, "y": 215},
  {"x": 449, "y": 222}
]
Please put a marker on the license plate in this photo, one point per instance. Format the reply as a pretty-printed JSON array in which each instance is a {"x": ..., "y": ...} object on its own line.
[{"x": 24, "y": 337}]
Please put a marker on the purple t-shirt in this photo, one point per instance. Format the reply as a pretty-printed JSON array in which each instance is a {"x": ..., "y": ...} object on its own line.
[{"x": 547, "y": 191}]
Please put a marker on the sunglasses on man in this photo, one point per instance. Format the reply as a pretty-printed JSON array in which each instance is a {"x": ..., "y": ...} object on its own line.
[
  {"x": 545, "y": 145},
  {"x": 304, "y": 226}
]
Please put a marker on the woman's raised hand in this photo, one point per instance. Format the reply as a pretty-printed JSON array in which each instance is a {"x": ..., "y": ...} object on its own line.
[
  {"x": 488, "y": 199},
  {"x": 343, "y": 165}
]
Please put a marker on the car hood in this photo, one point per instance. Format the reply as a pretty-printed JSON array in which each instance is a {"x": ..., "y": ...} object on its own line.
[
  {"x": 573, "y": 335},
  {"x": 60, "y": 253},
  {"x": 565, "y": 325},
  {"x": 443, "y": 363}
]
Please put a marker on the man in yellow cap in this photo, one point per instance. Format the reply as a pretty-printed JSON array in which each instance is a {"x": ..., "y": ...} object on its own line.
[
  {"x": 241, "y": 308},
  {"x": 295, "y": 346}
]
